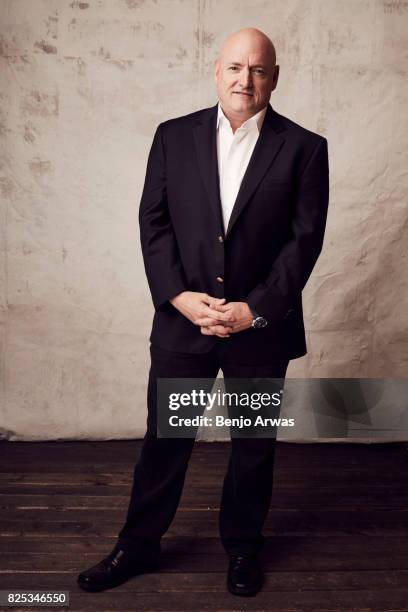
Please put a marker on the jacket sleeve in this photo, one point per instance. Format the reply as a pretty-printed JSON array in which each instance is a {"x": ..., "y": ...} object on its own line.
[
  {"x": 162, "y": 263},
  {"x": 275, "y": 296}
]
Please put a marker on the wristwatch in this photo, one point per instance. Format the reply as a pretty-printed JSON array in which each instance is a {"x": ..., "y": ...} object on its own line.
[{"x": 258, "y": 321}]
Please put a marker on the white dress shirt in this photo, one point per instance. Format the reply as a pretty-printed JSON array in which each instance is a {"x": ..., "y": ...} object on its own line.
[{"x": 234, "y": 152}]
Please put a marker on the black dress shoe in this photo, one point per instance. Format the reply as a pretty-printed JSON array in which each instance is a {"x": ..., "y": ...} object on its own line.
[
  {"x": 114, "y": 570},
  {"x": 244, "y": 575}
]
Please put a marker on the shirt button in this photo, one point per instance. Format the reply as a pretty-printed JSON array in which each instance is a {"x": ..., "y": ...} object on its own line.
[
  {"x": 220, "y": 238},
  {"x": 220, "y": 279}
]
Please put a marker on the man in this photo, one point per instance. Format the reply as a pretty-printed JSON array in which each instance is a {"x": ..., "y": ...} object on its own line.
[{"x": 232, "y": 219}]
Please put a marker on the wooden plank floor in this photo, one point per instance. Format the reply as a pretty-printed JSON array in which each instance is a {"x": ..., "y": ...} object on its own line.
[{"x": 337, "y": 529}]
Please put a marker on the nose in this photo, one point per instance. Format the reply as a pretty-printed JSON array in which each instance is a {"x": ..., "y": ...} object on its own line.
[{"x": 245, "y": 79}]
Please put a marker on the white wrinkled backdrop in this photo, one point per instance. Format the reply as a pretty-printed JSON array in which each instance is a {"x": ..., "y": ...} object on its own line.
[{"x": 83, "y": 87}]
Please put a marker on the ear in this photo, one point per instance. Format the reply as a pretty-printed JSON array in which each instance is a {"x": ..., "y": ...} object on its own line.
[{"x": 275, "y": 77}]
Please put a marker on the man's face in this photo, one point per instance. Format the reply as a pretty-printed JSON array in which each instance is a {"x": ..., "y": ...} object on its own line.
[{"x": 245, "y": 76}]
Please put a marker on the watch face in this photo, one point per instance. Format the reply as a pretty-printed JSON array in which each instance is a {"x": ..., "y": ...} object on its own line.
[{"x": 260, "y": 322}]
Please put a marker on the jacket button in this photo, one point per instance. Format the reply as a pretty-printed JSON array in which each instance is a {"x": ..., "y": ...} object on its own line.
[
  {"x": 220, "y": 238},
  {"x": 220, "y": 279}
]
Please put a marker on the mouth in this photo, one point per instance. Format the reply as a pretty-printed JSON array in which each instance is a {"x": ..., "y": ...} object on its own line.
[{"x": 242, "y": 93}]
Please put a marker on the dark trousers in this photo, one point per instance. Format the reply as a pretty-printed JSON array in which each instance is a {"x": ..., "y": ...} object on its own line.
[{"x": 160, "y": 472}]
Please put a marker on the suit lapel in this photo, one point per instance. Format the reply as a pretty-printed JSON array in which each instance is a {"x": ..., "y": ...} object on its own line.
[
  {"x": 206, "y": 149},
  {"x": 267, "y": 147}
]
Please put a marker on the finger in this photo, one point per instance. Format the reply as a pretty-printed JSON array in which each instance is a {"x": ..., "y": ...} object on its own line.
[
  {"x": 220, "y": 329},
  {"x": 221, "y": 307},
  {"x": 206, "y": 331},
  {"x": 215, "y": 314},
  {"x": 222, "y": 335},
  {"x": 209, "y": 299},
  {"x": 206, "y": 321}
]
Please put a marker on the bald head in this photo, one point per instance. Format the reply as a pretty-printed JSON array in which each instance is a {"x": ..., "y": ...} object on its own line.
[
  {"x": 245, "y": 74},
  {"x": 252, "y": 38}
]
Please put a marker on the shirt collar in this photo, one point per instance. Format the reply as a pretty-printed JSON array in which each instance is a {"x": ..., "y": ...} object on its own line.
[{"x": 254, "y": 121}]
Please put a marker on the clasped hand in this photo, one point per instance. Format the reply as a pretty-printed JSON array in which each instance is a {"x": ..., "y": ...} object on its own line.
[{"x": 213, "y": 315}]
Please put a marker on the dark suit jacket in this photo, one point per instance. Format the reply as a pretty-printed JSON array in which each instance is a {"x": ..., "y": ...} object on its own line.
[{"x": 273, "y": 239}]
